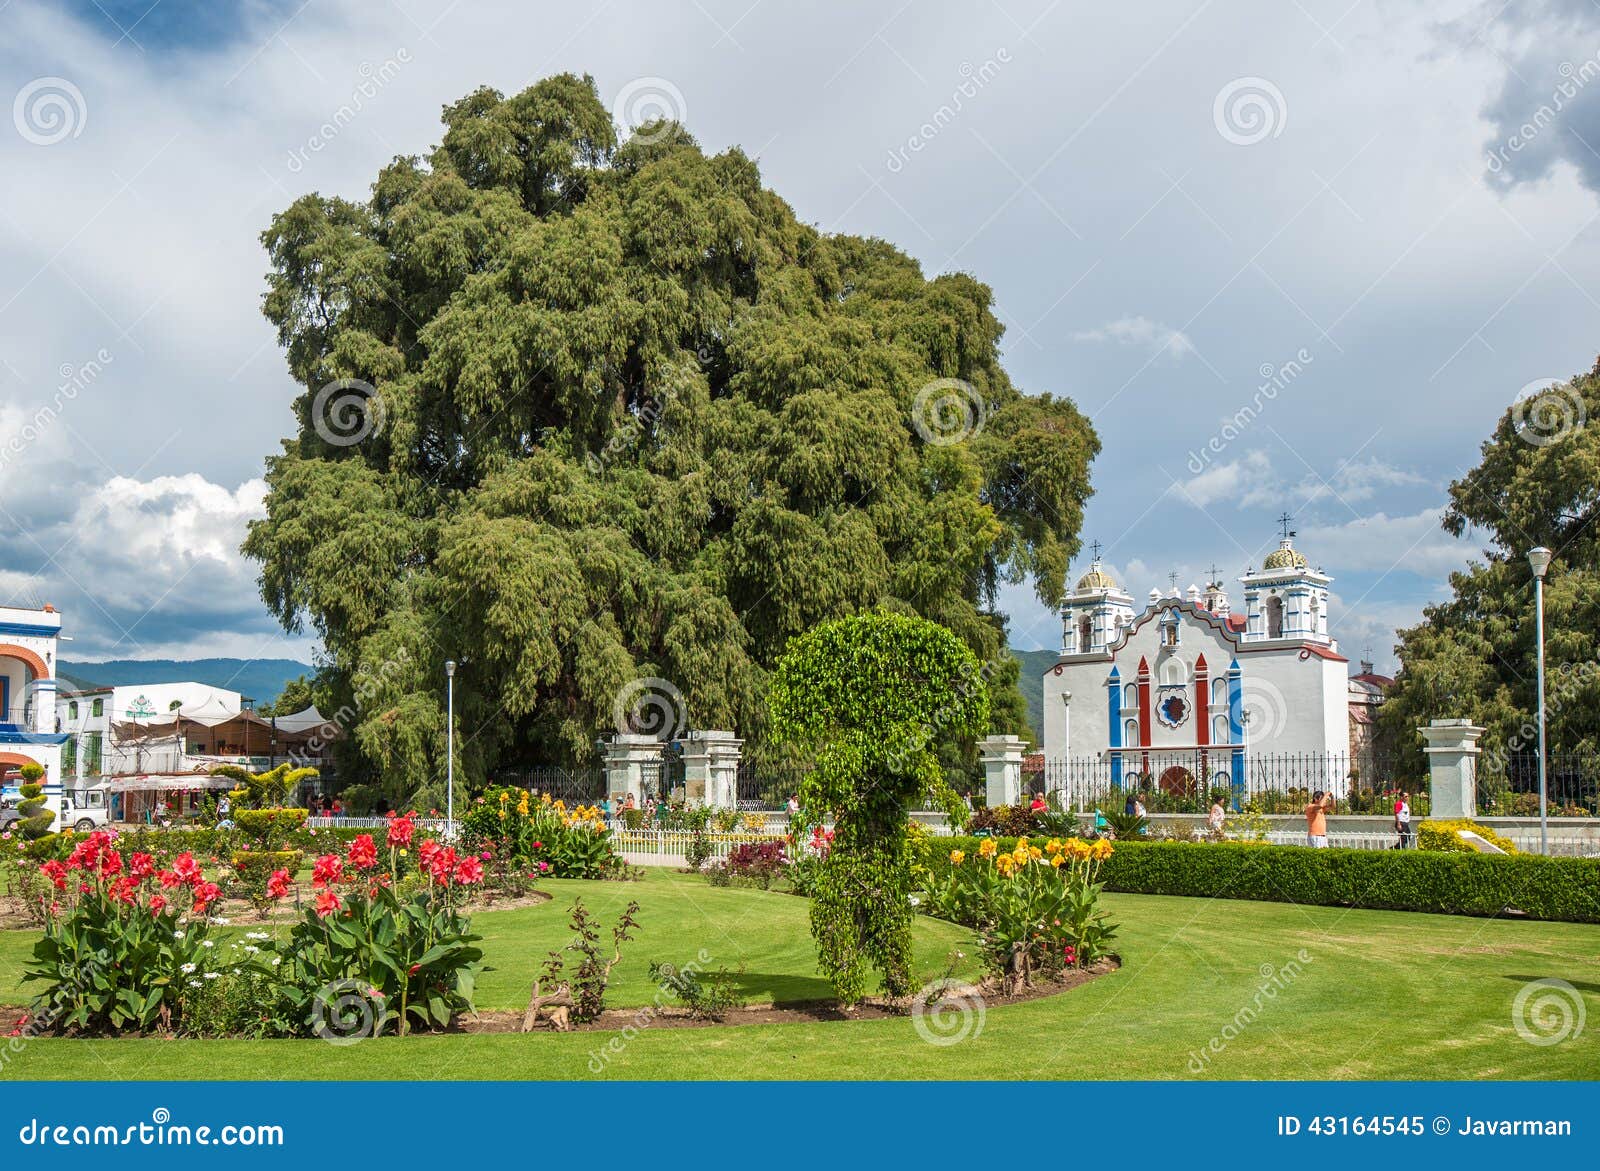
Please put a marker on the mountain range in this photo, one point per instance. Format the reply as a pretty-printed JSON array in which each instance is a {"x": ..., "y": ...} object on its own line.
[{"x": 257, "y": 679}]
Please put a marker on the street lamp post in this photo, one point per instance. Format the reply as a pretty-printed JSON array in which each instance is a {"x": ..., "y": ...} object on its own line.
[
  {"x": 450, "y": 749},
  {"x": 1539, "y": 561}
]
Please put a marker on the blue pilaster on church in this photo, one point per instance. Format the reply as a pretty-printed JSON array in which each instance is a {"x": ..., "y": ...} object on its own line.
[
  {"x": 1236, "y": 732},
  {"x": 1114, "y": 709}
]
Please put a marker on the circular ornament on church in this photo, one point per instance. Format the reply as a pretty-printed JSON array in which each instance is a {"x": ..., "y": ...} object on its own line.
[{"x": 1173, "y": 709}]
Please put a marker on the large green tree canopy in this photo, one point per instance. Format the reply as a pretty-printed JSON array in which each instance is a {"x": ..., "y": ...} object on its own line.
[
  {"x": 632, "y": 419},
  {"x": 1475, "y": 655}
]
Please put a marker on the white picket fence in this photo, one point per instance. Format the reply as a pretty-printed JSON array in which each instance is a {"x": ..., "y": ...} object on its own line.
[{"x": 670, "y": 847}]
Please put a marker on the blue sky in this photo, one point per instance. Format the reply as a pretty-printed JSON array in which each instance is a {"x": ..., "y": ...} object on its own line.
[{"x": 1177, "y": 204}]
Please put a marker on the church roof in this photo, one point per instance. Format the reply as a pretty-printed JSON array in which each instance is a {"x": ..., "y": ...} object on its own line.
[
  {"x": 1097, "y": 578},
  {"x": 1285, "y": 556}
]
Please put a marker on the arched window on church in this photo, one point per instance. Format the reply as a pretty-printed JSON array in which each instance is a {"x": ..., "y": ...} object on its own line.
[
  {"x": 1219, "y": 691},
  {"x": 1219, "y": 729},
  {"x": 1130, "y": 696},
  {"x": 1274, "y": 617},
  {"x": 1173, "y": 673},
  {"x": 1130, "y": 732},
  {"x": 1085, "y": 633}
]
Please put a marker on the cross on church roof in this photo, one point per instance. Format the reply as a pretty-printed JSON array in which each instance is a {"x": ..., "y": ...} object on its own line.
[
  {"x": 1284, "y": 522},
  {"x": 1094, "y": 547},
  {"x": 1172, "y": 579},
  {"x": 1216, "y": 578}
]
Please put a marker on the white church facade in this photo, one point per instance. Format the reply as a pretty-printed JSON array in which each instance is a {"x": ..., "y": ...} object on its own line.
[{"x": 1186, "y": 692}]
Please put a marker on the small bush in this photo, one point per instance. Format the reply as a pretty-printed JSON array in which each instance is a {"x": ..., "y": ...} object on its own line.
[
  {"x": 1441, "y": 835},
  {"x": 708, "y": 996}
]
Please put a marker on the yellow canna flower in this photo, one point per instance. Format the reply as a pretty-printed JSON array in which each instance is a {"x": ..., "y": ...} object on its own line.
[
  {"x": 1053, "y": 846},
  {"x": 1058, "y": 860},
  {"x": 957, "y": 857},
  {"x": 1035, "y": 853},
  {"x": 987, "y": 850}
]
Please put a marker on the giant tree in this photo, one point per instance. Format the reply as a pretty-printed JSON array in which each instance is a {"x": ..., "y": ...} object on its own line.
[{"x": 579, "y": 413}]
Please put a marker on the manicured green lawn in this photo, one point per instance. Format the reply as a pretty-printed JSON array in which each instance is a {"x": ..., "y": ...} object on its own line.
[{"x": 1382, "y": 995}]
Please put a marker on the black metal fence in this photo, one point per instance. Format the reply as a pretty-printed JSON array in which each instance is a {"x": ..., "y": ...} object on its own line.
[
  {"x": 1508, "y": 784},
  {"x": 768, "y": 786},
  {"x": 1189, "y": 781},
  {"x": 575, "y": 786}
]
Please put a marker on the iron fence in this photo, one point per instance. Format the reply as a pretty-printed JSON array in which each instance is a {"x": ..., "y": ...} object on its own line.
[
  {"x": 768, "y": 786},
  {"x": 1189, "y": 781},
  {"x": 584, "y": 786},
  {"x": 1508, "y": 784}
]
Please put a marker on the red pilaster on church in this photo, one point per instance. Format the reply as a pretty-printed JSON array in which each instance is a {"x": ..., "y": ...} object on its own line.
[
  {"x": 1202, "y": 685},
  {"x": 1144, "y": 714}
]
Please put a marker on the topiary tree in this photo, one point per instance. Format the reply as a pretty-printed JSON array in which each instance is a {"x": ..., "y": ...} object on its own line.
[
  {"x": 36, "y": 815},
  {"x": 871, "y": 697},
  {"x": 266, "y": 825}
]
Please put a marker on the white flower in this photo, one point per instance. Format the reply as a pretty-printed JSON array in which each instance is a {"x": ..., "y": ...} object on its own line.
[
  {"x": 236, "y": 971},
  {"x": 207, "y": 943},
  {"x": 258, "y": 935},
  {"x": 219, "y": 920},
  {"x": 186, "y": 969},
  {"x": 276, "y": 960},
  {"x": 194, "y": 983},
  {"x": 179, "y": 935},
  {"x": 251, "y": 949},
  {"x": 915, "y": 901},
  {"x": 213, "y": 975}
]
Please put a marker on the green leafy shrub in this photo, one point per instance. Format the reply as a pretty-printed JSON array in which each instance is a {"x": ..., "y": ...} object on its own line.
[
  {"x": 709, "y": 996},
  {"x": 871, "y": 697},
  {"x": 1446, "y": 883},
  {"x": 1006, "y": 821},
  {"x": 562, "y": 996}
]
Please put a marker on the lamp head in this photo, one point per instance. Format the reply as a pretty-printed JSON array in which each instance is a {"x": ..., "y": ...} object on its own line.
[
  {"x": 450, "y": 667},
  {"x": 1539, "y": 560}
]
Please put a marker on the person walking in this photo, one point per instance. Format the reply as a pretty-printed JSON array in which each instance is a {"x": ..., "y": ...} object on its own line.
[
  {"x": 1402, "y": 821},
  {"x": 1216, "y": 817},
  {"x": 1317, "y": 820}
]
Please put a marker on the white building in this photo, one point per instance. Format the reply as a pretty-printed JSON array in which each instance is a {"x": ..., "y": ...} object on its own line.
[
  {"x": 90, "y": 719},
  {"x": 1181, "y": 693},
  {"x": 28, "y": 640}
]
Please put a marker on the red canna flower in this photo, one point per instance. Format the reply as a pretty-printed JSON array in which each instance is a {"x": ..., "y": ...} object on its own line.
[
  {"x": 443, "y": 864},
  {"x": 125, "y": 889},
  {"x": 169, "y": 879},
  {"x": 205, "y": 894},
  {"x": 110, "y": 864},
  {"x": 186, "y": 868},
  {"x": 363, "y": 854},
  {"x": 327, "y": 870},
  {"x": 56, "y": 873},
  {"x": 158, "y": 903},
  {"x": 278, "y": 885},
  {"x": 327, "y": 904},
  {"x": 141, "y": 866},
  {"x": 400, "y": 830},
  {"x": 469, "y": 871},
  {"x": 426, "y": 852}
]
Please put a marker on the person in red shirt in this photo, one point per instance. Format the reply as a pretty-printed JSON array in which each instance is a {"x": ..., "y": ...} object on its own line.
[{"x": 1038, "y": 805}]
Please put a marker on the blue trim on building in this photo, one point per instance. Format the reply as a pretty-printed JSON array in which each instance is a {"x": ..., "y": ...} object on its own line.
[
  {"x": 1114, "y": 706},
  {"x": 29, "y": 630},
  {"x": 1236, "y": 731},
  {"x": 5, "y": 699},
  {"x": 8, "y": 736}
]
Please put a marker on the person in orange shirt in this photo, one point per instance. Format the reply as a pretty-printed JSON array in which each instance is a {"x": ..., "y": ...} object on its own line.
[{"x": 1317, "y": 820}]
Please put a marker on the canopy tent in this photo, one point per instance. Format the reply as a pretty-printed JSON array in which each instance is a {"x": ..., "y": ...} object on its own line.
[
  {"x": 211, "y": 729},
  {"x": 167, "y": 783}
]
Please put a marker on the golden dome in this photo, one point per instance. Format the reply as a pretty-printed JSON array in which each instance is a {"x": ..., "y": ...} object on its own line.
[
  {"x": 1285, "y": 556},
  {"x": 1096, "y": 579}
]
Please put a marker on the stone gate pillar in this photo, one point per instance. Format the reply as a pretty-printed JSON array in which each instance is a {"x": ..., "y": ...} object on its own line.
[
  {"x": 711, "y": 769},
  {"x": 1452, "y": 749},
  {"x": 1001, "y": 757},
  {"x": 627, "y": 754}
]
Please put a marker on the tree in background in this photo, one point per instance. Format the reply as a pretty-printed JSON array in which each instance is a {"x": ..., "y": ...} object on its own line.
[
  {"x": 296, "y": 696},
  {"x": 34, "y": 809},
  {"x": 869, "y": 697},
  {"x": 1474, "y": 656},
  {"x": 631, "y": 419}
]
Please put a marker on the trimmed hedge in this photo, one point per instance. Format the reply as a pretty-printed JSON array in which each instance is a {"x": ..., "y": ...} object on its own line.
[
  {"x": 1441, "y": 835},
  {"x": 1566, "y": 889}
]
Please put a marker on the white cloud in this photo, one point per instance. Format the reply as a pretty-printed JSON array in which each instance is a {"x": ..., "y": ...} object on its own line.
[
  {"x": 1142, "y": 332},
  {"x": 1385, "y": 544},
  {"x": 1244, "y": 482}
]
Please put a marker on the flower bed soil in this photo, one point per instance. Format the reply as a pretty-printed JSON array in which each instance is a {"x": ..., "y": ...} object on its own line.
[{"x": 797, "y": 1012}]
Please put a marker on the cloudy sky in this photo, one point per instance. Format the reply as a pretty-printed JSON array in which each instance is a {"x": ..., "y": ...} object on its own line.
[{"x": 1287, "y": 256}]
